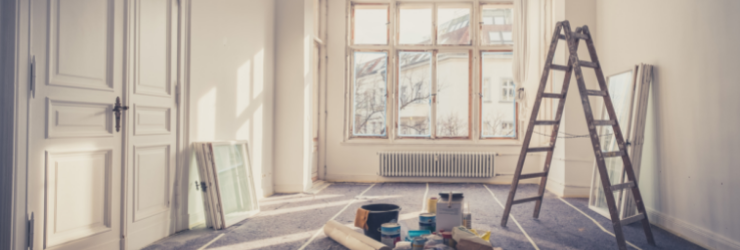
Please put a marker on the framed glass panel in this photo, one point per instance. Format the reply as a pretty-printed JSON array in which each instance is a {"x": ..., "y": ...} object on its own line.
[
  {"x": 415, "y": 24},
  {"x": 498, "y": 112},
  {"x": 620, "y": 90},
  {"x": 414, "y": 93},
  {"x": 496, "y": 24},
  {"x": 369, "y": 99},
  {"x": 370, "y": 24},
  {"x": 453, "y": 92},
  {"x": 453, "y": 25}
]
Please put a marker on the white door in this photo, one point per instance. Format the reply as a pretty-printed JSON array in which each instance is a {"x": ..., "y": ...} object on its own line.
[
  {"x": 151, "y": 146},
  {"x": 75, "y": 151}
]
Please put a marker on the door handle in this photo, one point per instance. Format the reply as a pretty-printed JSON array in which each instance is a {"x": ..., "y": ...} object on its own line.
[{"x": 117, "y": 111}]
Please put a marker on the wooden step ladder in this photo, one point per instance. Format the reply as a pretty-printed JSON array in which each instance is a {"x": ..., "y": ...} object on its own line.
[{"x": 574, "y": 64}]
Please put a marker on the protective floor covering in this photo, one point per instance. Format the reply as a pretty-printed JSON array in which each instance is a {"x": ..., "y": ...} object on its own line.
[{"x": 294, "y": 221}]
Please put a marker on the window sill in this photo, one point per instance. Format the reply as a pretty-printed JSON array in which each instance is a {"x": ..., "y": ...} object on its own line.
[{"x": 432, "y": 142}]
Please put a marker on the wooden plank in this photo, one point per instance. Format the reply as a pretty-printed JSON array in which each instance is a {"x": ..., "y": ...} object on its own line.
[
  {"x": 595, "y": 92},
  {"x": 546, "y": 122},
  {"x": 603, "y": 122},
  {"x": 552, "y": 95},
  {"x": 527, "y": 200},
  {"x": 539, "y": 149},
  {"x": 629, "y": 184},
  {"x": 533, "y": 175},
  {"x": 579, "y": 36},
  {"x": 612, "y": 154},
  {"x": 558, "y": 67},
  {"x": 588, "y": 64},
  {"x": 632, "y": 219}
]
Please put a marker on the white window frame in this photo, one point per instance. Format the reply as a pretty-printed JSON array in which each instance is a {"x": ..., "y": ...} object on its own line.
[{"x": 475, "y": 48}]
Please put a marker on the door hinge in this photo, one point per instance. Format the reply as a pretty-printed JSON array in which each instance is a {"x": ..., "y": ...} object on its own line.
[
  {"x": 29, "y": 234},
  {"x": 32, "y": 77}
]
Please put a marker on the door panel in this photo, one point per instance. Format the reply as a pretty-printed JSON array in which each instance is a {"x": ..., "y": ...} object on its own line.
[
  {"x": 75, "y": 151},
  {"x": 152, "y": 140}
]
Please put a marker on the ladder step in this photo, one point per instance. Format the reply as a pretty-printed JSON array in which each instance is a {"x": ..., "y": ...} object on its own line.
[
  {"x": 612, "y": 154},
  {"x": 526, "y": 200},
  {"x": 540, "y": 149},
  {"x": 579, "y": 36},
  {"x": 561, "y": 36},
  {"x": 533, "y": 175},
  {"x": 631, "y": 219},
  {"x": 546, "y": 122},
  {"x": 558, "y": 67},
  {"x": 588, "y": 64},
  {"x": 629, "y": 184},
  {"x": 552, "y": 95},
  {"x": 595, "y": 92},
  {"x": 603, "y": 122}
]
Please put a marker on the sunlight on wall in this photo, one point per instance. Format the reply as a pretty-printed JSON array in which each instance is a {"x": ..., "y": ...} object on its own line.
[
  {"x": 243, "y": 84},
  {"x": 257, "y": 140},
  {"x": 259, "y": 73},
  {"x": 207, "y": 116}
]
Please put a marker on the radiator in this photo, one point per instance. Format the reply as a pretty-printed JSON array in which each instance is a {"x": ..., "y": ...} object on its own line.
[{"x": 436, "y": 164}]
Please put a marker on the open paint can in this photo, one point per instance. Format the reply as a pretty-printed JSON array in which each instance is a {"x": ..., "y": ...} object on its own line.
[{"x": 390, "y": 233}]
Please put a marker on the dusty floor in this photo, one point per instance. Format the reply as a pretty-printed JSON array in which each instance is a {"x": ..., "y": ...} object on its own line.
[{"x": 294, "y": 221}]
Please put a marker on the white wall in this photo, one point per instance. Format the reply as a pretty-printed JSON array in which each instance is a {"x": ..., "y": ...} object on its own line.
[
  {"x": 231, "y": 78},
  {"x": 689, "y": 176},
  {"x": 294, "y": 96},
  {"x": 356, "y": 160}
]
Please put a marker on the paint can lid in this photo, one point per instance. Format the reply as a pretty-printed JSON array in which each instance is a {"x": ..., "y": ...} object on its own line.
[
  {"x": 428, "y": 215},
  {"x": 390, "y": 225},
  {"x": 455, "y": 195}
]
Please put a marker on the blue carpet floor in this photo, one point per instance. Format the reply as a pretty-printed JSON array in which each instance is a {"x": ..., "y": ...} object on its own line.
[{"x": 292, "y": 221}]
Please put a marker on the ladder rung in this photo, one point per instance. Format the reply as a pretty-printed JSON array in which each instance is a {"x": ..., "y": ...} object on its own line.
[
  {"x": 540, "y": 149},
  {"x": 561, "y": 36},
  {"x": 603, "y": 122},
  {"x": 612, "y": 154},
  {"x": 526, "y": 200},
  {"x": 546, "y": 122},
  {"x": 629, "y": 184},
  {"x": 533, "y": 175},
  {"x": 588, "y": 64},
  {"x": 558, "y": 67},
  {"x": 552, "y": 95},
  {"x": 595, "y": 92},
  {"x": 579, "y": 36},
  {"x": 629, "y": 220}
]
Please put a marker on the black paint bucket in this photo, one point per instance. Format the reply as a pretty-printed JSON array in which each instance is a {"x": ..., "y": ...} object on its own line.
[{"x": 379, "y": 214}]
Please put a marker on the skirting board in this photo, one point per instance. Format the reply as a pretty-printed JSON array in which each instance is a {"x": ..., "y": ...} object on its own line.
[
  {"x": 293, "y": 188},
  {"x": 562, "y": 191},
  {"x": 697, "y": 235}
]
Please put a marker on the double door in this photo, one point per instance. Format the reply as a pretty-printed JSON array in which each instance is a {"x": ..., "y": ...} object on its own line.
[{"x": 103, "y": 122}]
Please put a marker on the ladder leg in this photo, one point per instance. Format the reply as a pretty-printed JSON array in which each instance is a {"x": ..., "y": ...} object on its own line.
[
  {"x": 620, "y": 140},
  {"x": 556, "y": 127},
  {"x": 530, "y": 125}
]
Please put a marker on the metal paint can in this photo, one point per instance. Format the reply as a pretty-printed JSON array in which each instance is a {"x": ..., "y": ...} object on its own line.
[
  {"x": 390, "y": 233},
  {"x": 467, "y": 220},
  {"x": 432, "y": 205},
  {"x": 418, "y": 243},
  {"x": 428, "y": 221}
]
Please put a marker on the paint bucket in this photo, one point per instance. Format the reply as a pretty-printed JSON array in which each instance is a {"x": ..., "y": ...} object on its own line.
[
  {"x": 418, "y": 243},
  {"x": 378, "y": 215},
  {"x": 432, "y": 205},
  {"x": 427, "y": 221},
  {"x": 390, "y": 233}
]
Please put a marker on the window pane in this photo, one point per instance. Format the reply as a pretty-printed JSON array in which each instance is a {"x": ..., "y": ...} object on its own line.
[
  {"x": 235, "y": 182},
  {"x": 371, "y": 24},
  {"x": 370, "y": 93},
  {"x": 414, "y": 87},
  {"x": 415, "y": 25},
  {"x": 496, "y": 27},
  {"x": 453, "y": 25},
  {"x": 453, "y": 84},
  {"x": 498, "y": 116}
]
